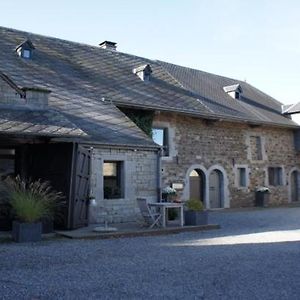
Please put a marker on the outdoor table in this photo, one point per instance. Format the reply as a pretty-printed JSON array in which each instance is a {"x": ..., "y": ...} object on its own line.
[{"x": 163, "y": 206}]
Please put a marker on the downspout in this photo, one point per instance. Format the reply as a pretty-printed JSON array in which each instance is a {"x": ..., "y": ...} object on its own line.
[{"x": 159, "y": 155}]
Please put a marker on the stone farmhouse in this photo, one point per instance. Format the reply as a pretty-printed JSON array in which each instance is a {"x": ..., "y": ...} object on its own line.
[{"x": 107, "y": 127}]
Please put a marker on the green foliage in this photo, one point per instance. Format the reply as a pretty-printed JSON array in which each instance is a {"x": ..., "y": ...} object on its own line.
[
  {"x": 30, "y": 200},
  {"x": 194, "y": 205},
  {"x": 142, "y": 118}
]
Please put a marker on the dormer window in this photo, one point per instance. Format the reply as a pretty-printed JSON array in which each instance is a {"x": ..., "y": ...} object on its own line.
[
  {"x": 25, "y": 49},
  {"x": 143, "y": 72},
  {"x": 233, "y": 91}
]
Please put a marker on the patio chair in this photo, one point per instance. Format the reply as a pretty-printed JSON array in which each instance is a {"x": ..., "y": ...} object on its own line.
[{"x": 150, "y": 217}]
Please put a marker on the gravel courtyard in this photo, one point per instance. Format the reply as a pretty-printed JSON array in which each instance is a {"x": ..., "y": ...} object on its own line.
[{"x": 255, "y": 255}]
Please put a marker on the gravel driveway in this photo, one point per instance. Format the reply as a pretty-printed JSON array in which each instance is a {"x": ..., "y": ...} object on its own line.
[{"x": 256, "y": 255}]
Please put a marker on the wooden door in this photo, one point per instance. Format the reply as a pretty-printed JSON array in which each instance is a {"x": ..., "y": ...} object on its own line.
[
  {"x": 81, "y": 183},
  {"x": 295, "y": 186},
  {"x": 215, "y": 182},
  {"x": 196, "y": 185}
]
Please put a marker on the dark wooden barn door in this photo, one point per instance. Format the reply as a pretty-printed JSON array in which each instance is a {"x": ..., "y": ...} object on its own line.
[{"x": 81, "y": 182}]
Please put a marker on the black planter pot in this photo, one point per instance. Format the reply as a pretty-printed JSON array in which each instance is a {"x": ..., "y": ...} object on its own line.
[
  {"x": 196, "y": 217},
  {"x": 26, "y": 232}
]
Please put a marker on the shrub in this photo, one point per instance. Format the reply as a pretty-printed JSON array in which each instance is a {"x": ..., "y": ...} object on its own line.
[
  {"x": 30, "y": 201},
  {"x": 194, "y": 204}
]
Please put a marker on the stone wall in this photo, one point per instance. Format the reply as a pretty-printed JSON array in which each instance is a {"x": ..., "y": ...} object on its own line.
[
  {"x": 208, "y": 145},
  {"x": 140, "y": 180}
]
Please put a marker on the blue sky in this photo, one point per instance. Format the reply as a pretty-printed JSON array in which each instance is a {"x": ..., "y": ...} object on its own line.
[{"x": 257, "y": 41}]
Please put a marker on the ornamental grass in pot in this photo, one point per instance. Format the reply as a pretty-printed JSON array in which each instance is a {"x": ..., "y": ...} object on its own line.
[
  {"x": 195, "y": 213},
  {"x": 30, "y": 202}
]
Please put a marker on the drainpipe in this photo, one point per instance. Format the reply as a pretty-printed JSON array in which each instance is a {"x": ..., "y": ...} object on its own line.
[{"x": 159, "y": 155}]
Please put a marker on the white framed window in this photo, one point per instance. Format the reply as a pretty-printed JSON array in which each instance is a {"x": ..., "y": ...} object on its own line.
[
  {"x": 26, "y": 53},
  {"x": 161, "y": 137}
]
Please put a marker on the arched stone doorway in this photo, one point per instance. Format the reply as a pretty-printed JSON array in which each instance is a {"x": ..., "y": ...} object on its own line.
[
  {"x": 295, "y": 184},
  {"x": 216, "y": 189},
  {"x": 197, "y": 185}
]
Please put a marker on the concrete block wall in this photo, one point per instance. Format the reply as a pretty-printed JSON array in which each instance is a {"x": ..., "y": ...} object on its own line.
[
  {"x": 226, "y": 145},
  {"x": 140, "y": 171}
]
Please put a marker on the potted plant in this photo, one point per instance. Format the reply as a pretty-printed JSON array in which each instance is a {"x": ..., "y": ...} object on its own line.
[
  {"x": 195, "y": 213},
  {"x": 31, "y": 202},
  {"x": 169, "y": 194},
  {"x": 262, "y": 196}
]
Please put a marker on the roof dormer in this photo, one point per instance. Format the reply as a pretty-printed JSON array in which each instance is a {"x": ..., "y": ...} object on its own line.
[
  {"x": 233, "y": 91},
  {"x": 25, "y": 49},
  {"x": 144, "y": 72}
]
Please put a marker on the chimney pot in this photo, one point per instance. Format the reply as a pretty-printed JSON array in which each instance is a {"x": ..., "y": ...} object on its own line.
[{"x": 108, "y": 45}]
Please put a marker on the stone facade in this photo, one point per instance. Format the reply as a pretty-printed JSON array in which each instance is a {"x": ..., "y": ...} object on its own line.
[
  {"x": 140, "y": 180},
  {"x": 226, "y": 146}
]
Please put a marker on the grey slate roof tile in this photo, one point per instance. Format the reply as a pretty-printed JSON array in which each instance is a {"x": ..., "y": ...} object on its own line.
[
  {"x": 80, "y": 76},
  {"x": 50, "y": 123}
]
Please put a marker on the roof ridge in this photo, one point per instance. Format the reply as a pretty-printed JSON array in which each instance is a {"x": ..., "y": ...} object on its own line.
[
  {"x": 197, "y": 70},
  {"x": 74, "y": 42}
]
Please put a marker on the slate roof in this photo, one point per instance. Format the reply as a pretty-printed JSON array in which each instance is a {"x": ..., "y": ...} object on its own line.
[
  {"x": 87, "y": 83},
  {"x": 253, "y": 105},
  {"x": 75, "y": 96},
  {"x": 36, "y": 122},
  {"x": 291, "y": 108}
]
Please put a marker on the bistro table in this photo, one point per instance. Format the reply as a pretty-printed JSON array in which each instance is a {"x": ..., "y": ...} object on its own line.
[{"x": 163, "y": 207}]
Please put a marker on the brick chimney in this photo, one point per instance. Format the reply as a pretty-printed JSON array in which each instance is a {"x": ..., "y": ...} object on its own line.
[{"x": 108, "y": 45}]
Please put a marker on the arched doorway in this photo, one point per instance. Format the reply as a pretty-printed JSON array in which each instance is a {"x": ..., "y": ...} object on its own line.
[
  {"x": 197, "y": 185},
  {"x": 294, "y": 182},
  {"x": 216, "y": 189}
]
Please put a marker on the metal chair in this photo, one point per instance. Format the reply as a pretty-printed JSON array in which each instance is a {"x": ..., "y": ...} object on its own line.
[{"x": 150, "y": 217}]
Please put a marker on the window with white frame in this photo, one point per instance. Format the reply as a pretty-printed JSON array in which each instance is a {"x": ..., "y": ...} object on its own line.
[
  {"x": 275, "y": 176},
  {"x": 160, "y": 137},
  {"x": 113, "y": 179}
]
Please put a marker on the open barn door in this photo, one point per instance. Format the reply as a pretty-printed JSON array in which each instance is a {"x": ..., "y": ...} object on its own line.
[{"x": 80, "y": 187}]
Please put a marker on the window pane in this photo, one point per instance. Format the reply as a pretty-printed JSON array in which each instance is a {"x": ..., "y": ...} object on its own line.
[
  {"x": 258, "y": 148},
  {"x": 113, "y": 187},
  {"x": 275, "y": 176},
  {"x": 158, "y": 136},
  {"x": 271, "y": 176},
  {"x": 110, "y": 169},
  {"x": 242, "y": 176}
]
